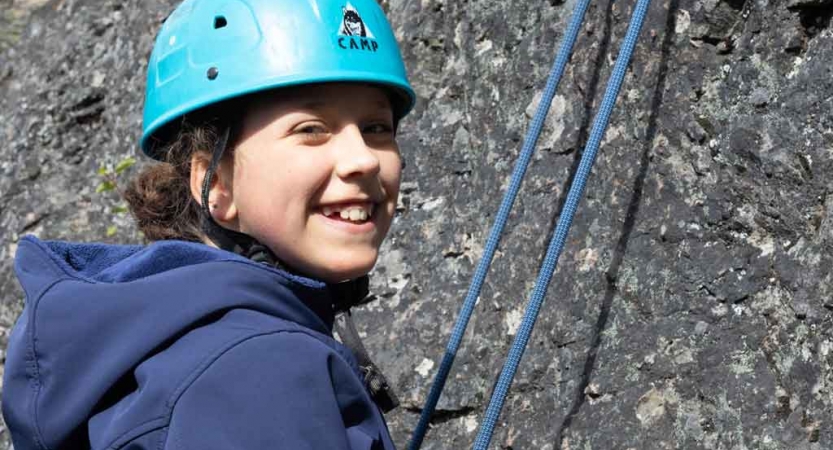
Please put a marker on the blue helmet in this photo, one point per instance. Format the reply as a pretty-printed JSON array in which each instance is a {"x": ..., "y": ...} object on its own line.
[{"x": 209, "y": 51}]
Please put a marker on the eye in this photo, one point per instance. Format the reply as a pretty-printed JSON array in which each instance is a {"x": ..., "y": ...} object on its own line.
[
  {"x": 311, "y": 132},
  {"x": 311, "y": 129},
  {"x": 378, "y": 128}
]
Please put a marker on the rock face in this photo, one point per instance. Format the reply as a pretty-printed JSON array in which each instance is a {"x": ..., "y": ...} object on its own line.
[{"x": 692, "y": 306}]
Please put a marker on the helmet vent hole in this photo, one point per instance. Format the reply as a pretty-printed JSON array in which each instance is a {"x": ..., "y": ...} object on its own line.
[{"x": 220, "y": 22}]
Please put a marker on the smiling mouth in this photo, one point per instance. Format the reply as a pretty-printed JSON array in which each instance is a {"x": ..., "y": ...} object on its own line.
[{"x": 355, "y": 213}]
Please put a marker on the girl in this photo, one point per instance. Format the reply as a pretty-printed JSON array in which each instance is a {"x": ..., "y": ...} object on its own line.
[{"x": 278, "y": 180}]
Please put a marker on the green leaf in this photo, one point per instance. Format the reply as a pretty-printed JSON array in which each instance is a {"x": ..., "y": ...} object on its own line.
[
  {"x": 125, "y": 164},
  {"x": 120, "y": 209},
  {"x": 105, "y": 186},
  {"x": 112, "y": 230},
  {"x": 102, "y": 171}
]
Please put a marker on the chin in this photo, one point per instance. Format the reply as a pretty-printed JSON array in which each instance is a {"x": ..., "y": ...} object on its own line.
[
  {"x": 339, "y": 274},
  {"x": 337, "y": 270}
]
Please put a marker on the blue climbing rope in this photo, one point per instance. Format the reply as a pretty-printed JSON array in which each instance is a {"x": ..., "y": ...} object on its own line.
[
  {"x": 482, "y": 269},
  {"x": 559, "y": 238}
]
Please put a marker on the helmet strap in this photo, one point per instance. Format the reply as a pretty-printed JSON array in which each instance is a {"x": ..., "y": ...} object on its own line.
[{"x": 229, "y": 240}]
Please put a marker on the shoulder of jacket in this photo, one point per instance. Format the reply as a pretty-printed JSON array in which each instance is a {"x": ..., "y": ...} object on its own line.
[
  {"x": 281, "y": 340},
  {"x": 207, "y": 348}
]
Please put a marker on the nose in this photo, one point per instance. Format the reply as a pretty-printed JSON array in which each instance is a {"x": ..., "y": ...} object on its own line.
[{"x": 354, "y": 156}]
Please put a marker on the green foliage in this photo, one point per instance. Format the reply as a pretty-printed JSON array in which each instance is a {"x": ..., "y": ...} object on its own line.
[
  {"x": 124, "y": 165},
  {"x": 109, "y": 178},
  {"x": 105, "y": 186}
]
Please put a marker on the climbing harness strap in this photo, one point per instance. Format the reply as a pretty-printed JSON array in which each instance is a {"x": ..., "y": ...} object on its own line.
[
  {"x": 492, "y": 242},
  {"x": 562, "y": 228},
  {"x": 345, "y": 295},
  {"x": 355, "y": 293},
  {"x": 559, "y": 237},
  {"x": 380, "y": 390}
]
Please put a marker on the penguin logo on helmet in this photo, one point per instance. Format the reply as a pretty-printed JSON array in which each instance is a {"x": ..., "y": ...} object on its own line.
[
  {"x": 354, "y": 34},
  {"x": 352, "y": 23}
]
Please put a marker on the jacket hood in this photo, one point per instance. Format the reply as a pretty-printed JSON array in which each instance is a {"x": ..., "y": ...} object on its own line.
[{"x": 94, "y": 312}]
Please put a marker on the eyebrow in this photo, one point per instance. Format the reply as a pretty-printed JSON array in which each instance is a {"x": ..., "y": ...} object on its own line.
[
  {"x": 319, "y": 105},
  {"x": 315, "y": 104}
]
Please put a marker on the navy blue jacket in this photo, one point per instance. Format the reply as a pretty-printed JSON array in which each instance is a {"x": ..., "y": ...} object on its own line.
[{"x": 177, "y": 346}]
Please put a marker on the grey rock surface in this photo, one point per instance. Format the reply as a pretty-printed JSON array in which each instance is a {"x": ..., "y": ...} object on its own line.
[{"x": 692, "y": 306}]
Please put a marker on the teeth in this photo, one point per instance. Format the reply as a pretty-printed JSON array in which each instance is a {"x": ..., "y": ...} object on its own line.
[{"x": 353, "y": 213}]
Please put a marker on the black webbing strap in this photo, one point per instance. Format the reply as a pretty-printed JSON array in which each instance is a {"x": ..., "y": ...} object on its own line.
[
  {"x": 353, "y": 293},
  {"x": 380, "y": 390},
  {"x": 226, "y": 239},
  {"x": 216, "y": 157}
]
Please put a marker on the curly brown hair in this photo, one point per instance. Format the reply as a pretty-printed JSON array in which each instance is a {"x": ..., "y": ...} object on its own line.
[{"x": 160, "y": 196}]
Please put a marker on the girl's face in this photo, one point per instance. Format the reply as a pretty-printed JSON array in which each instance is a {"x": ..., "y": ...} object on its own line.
[{"x": 316, "y": 178}]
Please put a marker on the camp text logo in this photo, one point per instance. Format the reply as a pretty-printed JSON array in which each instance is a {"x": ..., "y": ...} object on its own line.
[{"x": 354, "y": 33}]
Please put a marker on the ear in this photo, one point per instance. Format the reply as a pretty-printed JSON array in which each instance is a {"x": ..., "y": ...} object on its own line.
[{"x": 220, "y": 194}]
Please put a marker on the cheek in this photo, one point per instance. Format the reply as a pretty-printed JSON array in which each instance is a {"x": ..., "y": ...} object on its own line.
[
  {"x": 258, "y": 189},
  {"x": 250, "y": 183},
  {"x": 283, "y": 187},
  {"x": 391, "y": 173}
]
